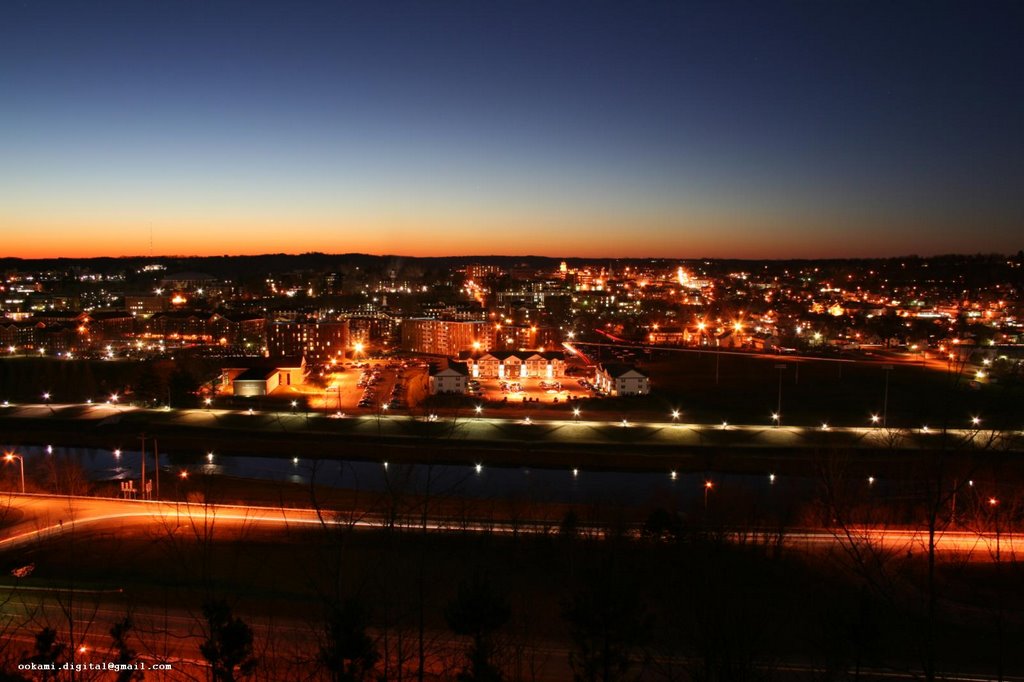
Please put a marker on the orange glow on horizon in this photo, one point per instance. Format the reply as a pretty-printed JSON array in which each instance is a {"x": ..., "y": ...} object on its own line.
[{"x": 445, "y": 234}]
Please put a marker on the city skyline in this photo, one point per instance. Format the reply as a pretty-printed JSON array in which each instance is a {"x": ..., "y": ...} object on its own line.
[{"x": 670, "y": 130}]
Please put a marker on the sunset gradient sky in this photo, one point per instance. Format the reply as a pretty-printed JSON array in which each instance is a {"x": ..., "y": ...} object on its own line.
[{"x": 631, "y": 129}]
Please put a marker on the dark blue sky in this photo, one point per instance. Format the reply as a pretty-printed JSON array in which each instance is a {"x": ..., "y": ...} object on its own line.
[{"x": 595, "y": 128}]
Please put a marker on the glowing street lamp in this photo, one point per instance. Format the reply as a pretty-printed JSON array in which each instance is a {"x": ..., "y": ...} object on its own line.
[
  {"x": 478, "y": 409},
  {"x": 10, "y": 457},
  {"x": 975, "y": 421},
  {"x": 675, "y": 415},
  {"x": 479, "y": 468},
  {"x": 576, "y": 413}
]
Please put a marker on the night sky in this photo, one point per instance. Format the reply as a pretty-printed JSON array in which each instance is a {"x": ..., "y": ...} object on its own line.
[{"x": 683, "y": 129}]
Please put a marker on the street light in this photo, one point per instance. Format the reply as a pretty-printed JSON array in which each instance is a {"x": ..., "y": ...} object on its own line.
[
  {"x": 576, "y": 413},
  {"x": 675, "y": 415},
  {"x": 707, "y": 488},
  {"x": 777, "y": 417},
  {"x": 885, "y": 396},
  {"x": 10, "y": 457}
]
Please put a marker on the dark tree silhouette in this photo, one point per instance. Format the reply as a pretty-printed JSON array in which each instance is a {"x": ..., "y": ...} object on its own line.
[
  {"x": 607, "y": 623},
  {"x": 228, "y": 646},
  {"x": 348, "y": 653},
  {"x": 182, "y": 384},
  {"x": 478, "y": 612},
  {"x": 125, "y": 654},
  {"x": 48, "y": 652}
]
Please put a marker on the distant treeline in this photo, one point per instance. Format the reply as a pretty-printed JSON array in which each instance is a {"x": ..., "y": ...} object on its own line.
[
  {"x": 979, "y": 267},
  {"x": 29, "y": 379}
]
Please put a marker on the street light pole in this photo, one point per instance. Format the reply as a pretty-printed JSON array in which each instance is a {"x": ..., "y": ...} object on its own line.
[
  {"x": 778, "y": 409},
  {"x": 885, "y": 396},
  {"x": 10, "y": 457},
  {"x": 156, "y": 467},
  {"x": 142, "y": 491}
]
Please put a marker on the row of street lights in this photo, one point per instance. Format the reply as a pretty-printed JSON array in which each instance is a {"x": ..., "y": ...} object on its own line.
[{"x": 675, "y": 414}]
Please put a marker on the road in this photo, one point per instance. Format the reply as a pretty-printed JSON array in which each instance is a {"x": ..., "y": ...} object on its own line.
[
  {"x": 171, "y": 633},
  {"x": 533, "y": 428},
  {"x": 34, "y": 518}
]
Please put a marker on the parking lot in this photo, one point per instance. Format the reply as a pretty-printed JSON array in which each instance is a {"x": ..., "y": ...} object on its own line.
[
  {"x": 368, "y": 386},
  {"x": 519, "y": 390}
]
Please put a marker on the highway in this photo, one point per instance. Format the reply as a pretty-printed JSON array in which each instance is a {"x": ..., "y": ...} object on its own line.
[
  {"x": 583, "y": 430},
  {"x": 170, "y": 634},
  {"x": 35, "y": 518}
]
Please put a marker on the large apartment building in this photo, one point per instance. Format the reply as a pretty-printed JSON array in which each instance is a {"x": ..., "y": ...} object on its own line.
[
  {"x": 316, "y": 341},
  {"x": 445, "y": 337}
]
